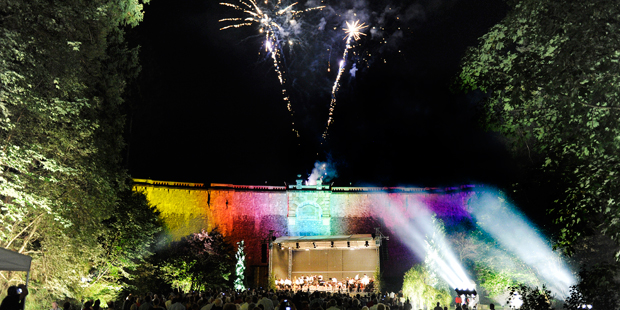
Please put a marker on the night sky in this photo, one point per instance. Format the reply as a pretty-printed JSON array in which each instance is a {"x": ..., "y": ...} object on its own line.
[{"x": 208, "y": 106}]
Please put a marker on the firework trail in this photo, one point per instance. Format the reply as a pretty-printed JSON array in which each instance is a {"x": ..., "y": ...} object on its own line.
[
  {"x": 353, "y": 33},
  {"x": 272, "y": 19}
]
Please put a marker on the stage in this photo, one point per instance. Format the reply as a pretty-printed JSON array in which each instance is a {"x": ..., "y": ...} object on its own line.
[{"x": 325, "y": 263}]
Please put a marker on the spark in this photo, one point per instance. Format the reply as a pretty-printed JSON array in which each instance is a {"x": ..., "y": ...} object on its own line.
[
  {"x": 353, "y": 33},
  {"x": 271, "y": 18},
  {"x": 353, "y": 30}
]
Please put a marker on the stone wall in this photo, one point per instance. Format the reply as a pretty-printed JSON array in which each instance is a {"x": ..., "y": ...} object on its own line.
[{"x": 250, "y": 212}]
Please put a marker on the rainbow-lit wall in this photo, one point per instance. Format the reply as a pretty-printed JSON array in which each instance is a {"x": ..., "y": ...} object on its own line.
[{"x": 248, "y": 213}]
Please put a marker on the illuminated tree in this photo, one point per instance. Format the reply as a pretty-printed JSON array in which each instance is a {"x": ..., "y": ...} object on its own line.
[
  {"x": 272, "y": 283},
  {"x": 527, "y": 298},
  {"x": 378, "y": 283},
  {"x": 240, "y": 267},
  {"x": 418, "y": 288},
  {"x": 197, "y": 262},
  {"x": 434, "y": 250},
  {"x": 64, "y": 198},
  {"x": 550, "y": 70},
  {"x": 495, "y": 269}
]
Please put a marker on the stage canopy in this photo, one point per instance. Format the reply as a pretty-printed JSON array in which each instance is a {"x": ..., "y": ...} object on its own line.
[
  {"x": 13, "y": 261},
  {"x": 329, "y": 256}
]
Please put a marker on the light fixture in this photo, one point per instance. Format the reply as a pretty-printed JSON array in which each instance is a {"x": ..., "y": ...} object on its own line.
[
  {"x": 465, "y": 291},
  {"x": 332, "y": 244},
  {"x": 314, "y": 244},
  {"x": 297, "y": 244},
  {"x": 348, "y": 244}
]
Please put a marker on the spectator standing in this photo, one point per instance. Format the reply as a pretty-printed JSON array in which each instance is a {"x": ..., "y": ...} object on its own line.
[
  {"x": 176, "y": 304},
  {"x": 146, "y": 304},
  {"x": 218, "y": 304},
  {"x": 266, "y": 302},
  {"x": 14, "y": 299},
  {"x": 246, "y": 304}
]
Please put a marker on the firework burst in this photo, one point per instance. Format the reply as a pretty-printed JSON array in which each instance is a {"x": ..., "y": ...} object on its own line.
[
  {"x": 353, "y": 33},
  {"x": 274, "y": 20}
]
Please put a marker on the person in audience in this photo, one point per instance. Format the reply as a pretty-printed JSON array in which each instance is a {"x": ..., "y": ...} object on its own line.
[
  {"x": 177, "y": 303},
  {"x": 246, "y": 304},
  {"x": 14, "y": 299}
]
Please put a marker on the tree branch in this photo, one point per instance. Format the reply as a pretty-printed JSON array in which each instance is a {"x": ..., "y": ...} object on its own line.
[
  {"x": 31, "y": 234},
  {"x": 598, "y": 107},
  {"x": 23, "y": 230}
]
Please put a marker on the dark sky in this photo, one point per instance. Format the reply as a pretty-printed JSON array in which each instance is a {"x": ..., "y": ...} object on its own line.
[{"x": 209, "y": 107}]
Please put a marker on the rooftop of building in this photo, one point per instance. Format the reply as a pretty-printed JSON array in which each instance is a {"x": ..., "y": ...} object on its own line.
[{"x": 299, "y": 185}]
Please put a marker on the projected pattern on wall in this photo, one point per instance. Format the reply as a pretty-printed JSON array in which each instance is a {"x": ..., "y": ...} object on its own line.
[{"x": 245, "y": 212}]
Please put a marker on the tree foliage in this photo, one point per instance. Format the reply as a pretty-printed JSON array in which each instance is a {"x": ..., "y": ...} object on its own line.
[
  {"x": 240, "y": 267},
  {"x": 64, "y": 198},
  {"x": 599, "y": 286},
  {"x": 551, "y": 71},
  {"x": 197, "y": 262},
  {"x": 495, "y": 268},
  {"x": 527, "y": 298},
  {"x": 418, "y": 288}
]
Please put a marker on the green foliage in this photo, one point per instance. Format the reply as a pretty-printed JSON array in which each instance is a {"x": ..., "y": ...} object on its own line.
[
  {"x": 551, "y": 72},
  {"x": 495, "y": 282},
  {"x": 240, "y": 267},
  {"x": 598, "y": 286},
  {"x": 495, "y": 268},
  {"x": 64, "y": 198},
  {"x": 418, "y": 289},
  {"x": 378, "y": 276},
  {"x": 530, "y": 298},
  {"x": 197, "y": 262},
  {"x": 272, "y": 283}
]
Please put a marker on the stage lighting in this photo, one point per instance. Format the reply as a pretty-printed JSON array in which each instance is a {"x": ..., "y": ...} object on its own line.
[
  {"x": 297, "y": 244},
  {"x": 348, "y": 244},
  {"x": 468, "y": 291},
  {"x": 366, "y": 244},
  {"x": 332, "y": 244}
]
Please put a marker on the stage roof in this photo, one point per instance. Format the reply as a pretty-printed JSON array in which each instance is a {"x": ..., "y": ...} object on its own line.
[
  {"x": 357, "y": 237},
  {"x": 323, "y": 242}
]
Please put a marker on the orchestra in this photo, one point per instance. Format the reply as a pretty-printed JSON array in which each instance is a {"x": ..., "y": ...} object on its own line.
[{"x": 318, "y": 283}]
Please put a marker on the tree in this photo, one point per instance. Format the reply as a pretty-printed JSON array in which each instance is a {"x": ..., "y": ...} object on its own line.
[
  {"x": 197, "y": 262},
  {"x": 527, "y": 298},
  {"x": 418, "y": 288},
  {"x": 495, "y": 268},
  {"x": 551, "y": 72},
  {"x": 126, "y": 240},
  {"x": 598, "y": 287},
  {"x": 240, "y": 267},
  {"x": 64, "y": 66}
]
